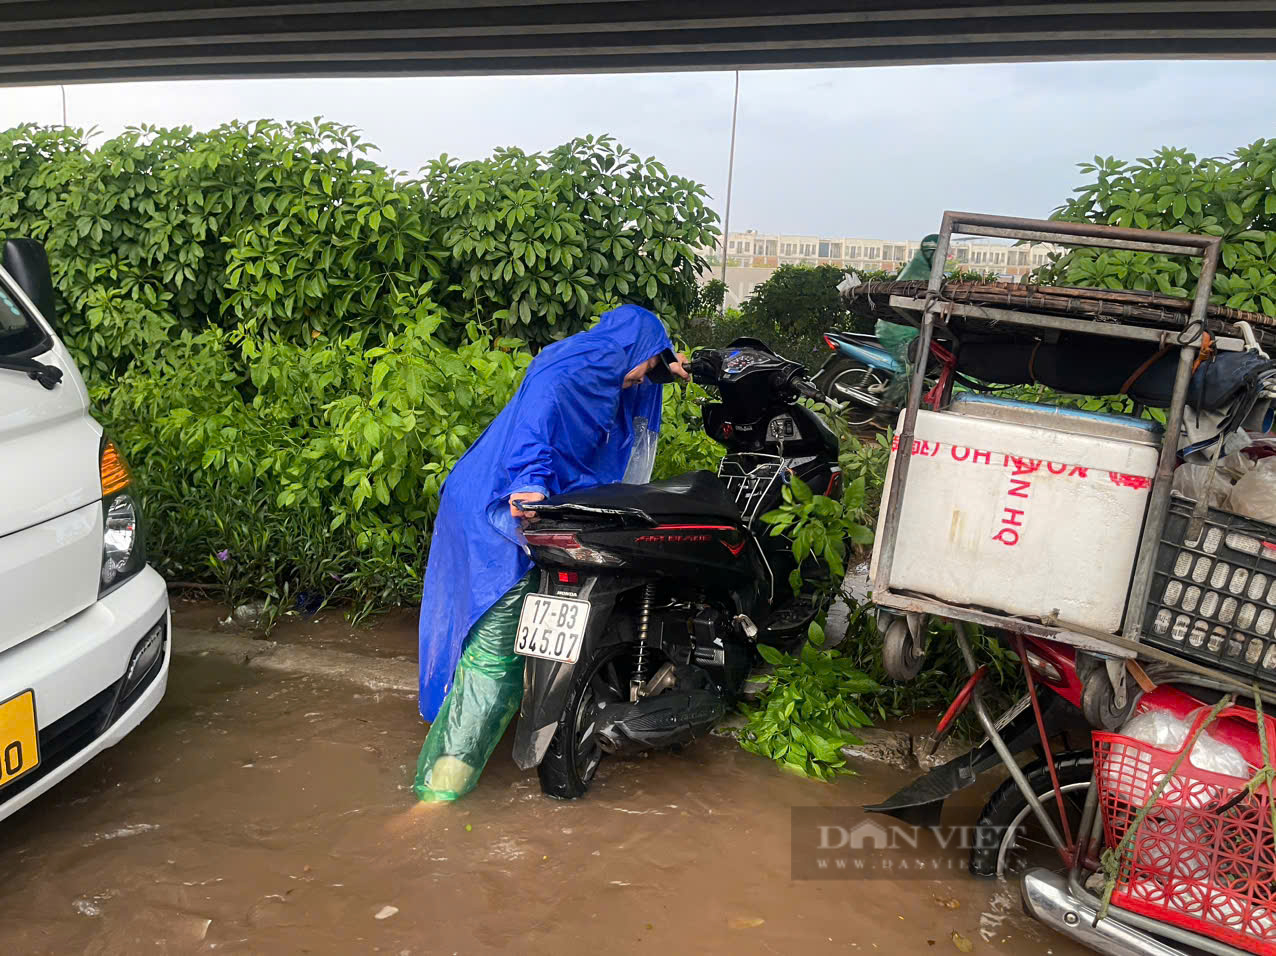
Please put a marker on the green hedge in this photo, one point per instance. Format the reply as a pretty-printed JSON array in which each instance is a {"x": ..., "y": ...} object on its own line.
[{"x": 294, "y": 344}]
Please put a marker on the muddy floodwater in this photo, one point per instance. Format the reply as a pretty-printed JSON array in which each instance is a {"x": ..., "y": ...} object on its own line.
[{"x": 258, "y": 812}]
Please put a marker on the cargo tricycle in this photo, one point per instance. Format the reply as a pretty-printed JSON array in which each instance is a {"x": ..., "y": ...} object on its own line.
[{"x": 1112, "y": 549}]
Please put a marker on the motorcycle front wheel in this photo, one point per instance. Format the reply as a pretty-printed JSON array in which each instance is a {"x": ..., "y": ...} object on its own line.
[{"x": 574, "y": 753}]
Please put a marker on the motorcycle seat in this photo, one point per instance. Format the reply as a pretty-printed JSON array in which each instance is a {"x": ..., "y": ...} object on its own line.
[{"x": 697, "y": 494}]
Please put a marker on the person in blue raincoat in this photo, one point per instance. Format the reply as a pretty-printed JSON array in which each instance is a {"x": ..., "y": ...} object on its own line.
[{"x": 573, "y": 423}]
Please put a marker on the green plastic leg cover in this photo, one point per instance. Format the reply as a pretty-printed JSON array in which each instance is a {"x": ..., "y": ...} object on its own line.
[{"x": 486, "y": 691}]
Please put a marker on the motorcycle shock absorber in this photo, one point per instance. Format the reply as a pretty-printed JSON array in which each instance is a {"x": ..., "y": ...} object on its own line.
[{"x": 639, "y": 677}]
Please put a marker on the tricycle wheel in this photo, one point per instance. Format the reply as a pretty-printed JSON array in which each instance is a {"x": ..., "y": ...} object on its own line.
[
  {"x": 1008, "y": 837},
  {"x": 900, "y": 657},
  {"x": 1098, "y": 702}
]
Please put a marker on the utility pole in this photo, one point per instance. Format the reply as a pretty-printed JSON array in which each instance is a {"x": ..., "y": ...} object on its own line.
[
  {"x": 63, "y": 89},
  {"x": 726, "y": 218}
]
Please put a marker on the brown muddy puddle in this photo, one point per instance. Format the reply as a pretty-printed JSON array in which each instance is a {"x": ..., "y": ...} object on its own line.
[{"x": 255, "y": 813}]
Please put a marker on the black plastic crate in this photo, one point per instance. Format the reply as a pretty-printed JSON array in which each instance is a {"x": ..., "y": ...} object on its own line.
[{"x": 1213, "y": 599}]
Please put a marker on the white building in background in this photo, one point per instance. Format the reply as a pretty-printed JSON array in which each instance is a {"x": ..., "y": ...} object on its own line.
[{"x": 753, "y": 256}]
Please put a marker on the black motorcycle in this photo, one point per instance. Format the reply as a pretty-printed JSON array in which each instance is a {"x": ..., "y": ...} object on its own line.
[{"x": 653, "y": 597}]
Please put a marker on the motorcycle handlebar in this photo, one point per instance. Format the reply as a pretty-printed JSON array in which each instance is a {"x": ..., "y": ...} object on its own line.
[
  {"x": 699, "y": 368},
  {"x": 797, "y": 382},
  {"x": 793, "y": 379},
  {"x": 806, "y": 388}
]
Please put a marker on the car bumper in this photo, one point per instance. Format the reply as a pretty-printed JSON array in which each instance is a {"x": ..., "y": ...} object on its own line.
[{"x": 78, "y": 671}]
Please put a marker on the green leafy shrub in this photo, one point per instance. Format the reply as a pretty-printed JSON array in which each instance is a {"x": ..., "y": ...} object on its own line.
[
  {"x": 820, "y": 526},
  {"x": 275, "y": 469},
  {"x": 808, "y": 710},
  {"x": 1233, "y": 197},
  {"x": 329, "y": 242},
  {"x": 293, "y": 232},
  {"x": 287, "y": 229},
  {"x": 683, "y": 444},
  {"x": 710, "y": 330},
  {"x": 793, "y": 309},
  {"x": 709, "y": 299},
  {"x": 808, "y": 707},
  {"x": 536, "y": 241},
  {"x": 309, "y": 468}
]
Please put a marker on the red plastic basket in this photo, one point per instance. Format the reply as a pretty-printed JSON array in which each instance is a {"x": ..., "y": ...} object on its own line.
[{"x": 1204, "y": 858}]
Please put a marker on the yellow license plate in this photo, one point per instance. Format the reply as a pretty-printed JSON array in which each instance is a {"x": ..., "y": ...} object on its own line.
[{"x": 19, "y": 744}]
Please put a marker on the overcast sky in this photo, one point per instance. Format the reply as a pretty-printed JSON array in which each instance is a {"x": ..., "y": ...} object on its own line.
[{"x": 863, "y": 152}]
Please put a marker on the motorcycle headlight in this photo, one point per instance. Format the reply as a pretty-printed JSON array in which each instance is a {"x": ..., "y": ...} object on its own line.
[{"x": 123, "y": 554}]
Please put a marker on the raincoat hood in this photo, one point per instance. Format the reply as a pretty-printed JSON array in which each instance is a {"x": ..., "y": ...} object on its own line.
[{"x": 570, "y": 425}]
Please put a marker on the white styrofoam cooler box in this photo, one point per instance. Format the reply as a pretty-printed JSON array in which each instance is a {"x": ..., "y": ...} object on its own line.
[{"x": 1023, "y": 509}]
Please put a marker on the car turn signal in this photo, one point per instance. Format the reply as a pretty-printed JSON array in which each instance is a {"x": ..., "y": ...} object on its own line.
[{"x": 114, "y": 470}]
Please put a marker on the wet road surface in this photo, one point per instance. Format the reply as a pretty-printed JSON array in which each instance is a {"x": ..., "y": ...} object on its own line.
[{"x": 259, "y": 813}]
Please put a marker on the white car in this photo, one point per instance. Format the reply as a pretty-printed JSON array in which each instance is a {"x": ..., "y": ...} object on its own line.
[{"x": 84, "y": 620}]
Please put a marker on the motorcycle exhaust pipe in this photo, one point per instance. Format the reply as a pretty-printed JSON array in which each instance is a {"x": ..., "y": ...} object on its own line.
[
  {"x": 1047, "y": 899},
  {"x": 861, "y": 397}
]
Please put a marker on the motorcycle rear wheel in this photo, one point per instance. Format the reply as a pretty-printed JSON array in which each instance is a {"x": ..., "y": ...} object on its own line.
[{"x": 574, "y": 754}]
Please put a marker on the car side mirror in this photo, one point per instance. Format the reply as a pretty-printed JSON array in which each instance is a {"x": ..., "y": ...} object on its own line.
[{"x": 27, "y": 262}]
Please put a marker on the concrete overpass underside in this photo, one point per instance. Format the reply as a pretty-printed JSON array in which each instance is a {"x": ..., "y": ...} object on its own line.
[{"x": 69, "y": 41}]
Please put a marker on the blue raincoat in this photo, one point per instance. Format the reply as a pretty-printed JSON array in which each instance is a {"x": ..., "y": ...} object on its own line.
[{"x": 569, "y": 426}]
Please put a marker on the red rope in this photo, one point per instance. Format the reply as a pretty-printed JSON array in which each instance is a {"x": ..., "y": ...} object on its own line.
[{"x": 949, "y": 361}]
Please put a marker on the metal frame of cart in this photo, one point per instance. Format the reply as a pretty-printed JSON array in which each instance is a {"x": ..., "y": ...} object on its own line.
[{"x": 934, "y": 311}]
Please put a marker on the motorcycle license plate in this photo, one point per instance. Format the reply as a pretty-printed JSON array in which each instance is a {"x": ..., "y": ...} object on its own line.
[{"x": 552, "y": 628}]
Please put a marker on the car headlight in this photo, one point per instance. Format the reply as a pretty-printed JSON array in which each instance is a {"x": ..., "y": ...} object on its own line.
[{"x": 123, "y": 553}]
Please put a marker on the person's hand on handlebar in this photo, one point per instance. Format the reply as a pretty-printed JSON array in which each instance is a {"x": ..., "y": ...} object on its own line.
[
  {"x": 681, "y": 368},
  {"x": 520, "y": 497}
]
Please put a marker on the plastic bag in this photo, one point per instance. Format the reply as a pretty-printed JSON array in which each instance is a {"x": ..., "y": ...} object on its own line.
[
  {"x": 1191, "y": 480},
  {"x": 486, "y": 691},
  {"x": 896, "y": 339},
  {"x": 642, "y": 454},
  {"x": 1254, "y": 496},
  {"x": 1163, "y": 730},
  {"x": 1236, "y": 465}
]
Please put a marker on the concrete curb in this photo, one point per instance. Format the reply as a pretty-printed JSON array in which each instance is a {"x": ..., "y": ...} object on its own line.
[
  {"x": 880, "y": 745},
  {"x": 374, "y": 673}
]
